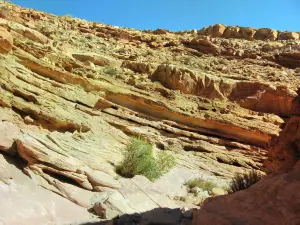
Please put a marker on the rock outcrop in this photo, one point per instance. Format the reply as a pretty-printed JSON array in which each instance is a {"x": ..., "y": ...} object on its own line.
[
  {"x": 73, "y": 92},
  {"x": 274, "y": 199},
  {"x": 265, "y": 34}
]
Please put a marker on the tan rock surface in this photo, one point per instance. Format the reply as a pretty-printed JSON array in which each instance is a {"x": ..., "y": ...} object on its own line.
[
  {"x": 8, "y": 133},
  {"x": 23, "y": 202},
  {"x": 6, "y": 41},
  {"x": 73, "y": 92},
  {"x": 274, "y": 199}
]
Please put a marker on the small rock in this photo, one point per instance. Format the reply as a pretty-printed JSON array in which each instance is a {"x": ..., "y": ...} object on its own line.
[
  {"x": 196, "y": 190},
  {"x": 28, "y": 120},
  {"x": 217, "y": 191},
  {"x": 90, "y": 64},
  {"x": 105, "y": 212}
]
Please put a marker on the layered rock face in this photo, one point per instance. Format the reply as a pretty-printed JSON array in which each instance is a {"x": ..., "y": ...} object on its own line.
[
  {"x": 274, "y": 199},
  {"x": 73, "y": 92}
]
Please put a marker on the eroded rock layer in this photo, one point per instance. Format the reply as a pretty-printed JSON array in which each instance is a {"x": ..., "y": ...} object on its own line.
[
  {"x": 274, "y": 199},
  {"x": 73, "y": 92}
]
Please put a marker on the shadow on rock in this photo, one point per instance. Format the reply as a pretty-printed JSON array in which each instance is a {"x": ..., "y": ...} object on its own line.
[{"x": 157, "y": 216}]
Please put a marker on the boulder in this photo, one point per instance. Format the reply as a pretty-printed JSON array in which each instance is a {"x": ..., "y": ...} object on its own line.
[
  {"x": 288, "y": 36},
  {"x": 232, "y": 32},
  {"x": 266, "y": 34},
  {"x": 247, "y": 33},
  {"x": 217, "y": 30}
]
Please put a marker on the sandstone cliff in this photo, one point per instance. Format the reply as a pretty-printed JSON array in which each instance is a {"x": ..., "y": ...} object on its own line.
[
  {"x": 73, "y": 92},
  {"x": 273, "y": 200}
]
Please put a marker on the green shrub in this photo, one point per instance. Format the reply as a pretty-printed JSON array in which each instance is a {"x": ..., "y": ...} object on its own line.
[
  {"x": 139, "y": 160},
  {"x": 200, "y": 183},
  {"x": 111, "y": 71},
  {"x": 243, "y": 181}
]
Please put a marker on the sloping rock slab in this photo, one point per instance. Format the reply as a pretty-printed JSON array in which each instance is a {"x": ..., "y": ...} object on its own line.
[{"x": 23, "y": 202}]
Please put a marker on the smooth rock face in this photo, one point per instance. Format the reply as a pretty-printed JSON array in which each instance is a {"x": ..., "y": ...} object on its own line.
[
  {"x": 256, "y": 205},
  {"x": 30, "y": 203}
]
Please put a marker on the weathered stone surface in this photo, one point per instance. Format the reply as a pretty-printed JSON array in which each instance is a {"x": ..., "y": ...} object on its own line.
[
  {"x": 6, "y": 41},
  {"x": 27, "y": 32},
  {"x": 288, "y": 36},
  {"x": 138, "y": 67},
  {"x": 8, "y": 133},
  {"x": 201, "y": 45},
  {"x": 265, "y": 34},
  {"x": 213, "y": 102},
  {"x": 23, "y": 202},
  {"x": 216, "y": 30},
  {"x": 284, "y": 150},
  {"x": 232, "y": 32},
  {"x": 256, "y": 205},
  {"x": 142, "y": 195},
  {"x": 290, "y": 60},
  {"x": 247, "y": 33},
  {"x": 112, "y": 206},
  {"x": 99, "y": 178},
  {"x": 94, "y": 58}
]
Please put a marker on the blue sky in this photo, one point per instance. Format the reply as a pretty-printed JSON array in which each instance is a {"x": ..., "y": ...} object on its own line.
[{"x": 177, "y": 14}]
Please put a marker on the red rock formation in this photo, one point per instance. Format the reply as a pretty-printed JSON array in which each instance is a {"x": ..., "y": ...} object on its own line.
[{"x": 284, "y": 151}]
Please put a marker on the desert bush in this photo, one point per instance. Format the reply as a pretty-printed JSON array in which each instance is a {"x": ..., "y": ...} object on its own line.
[
  {"x": 139, "y": 160},
  {"x": 243, "y": 181},
  {"x": 200, "y": 183},
  {"x": 111, "y": 71}
]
